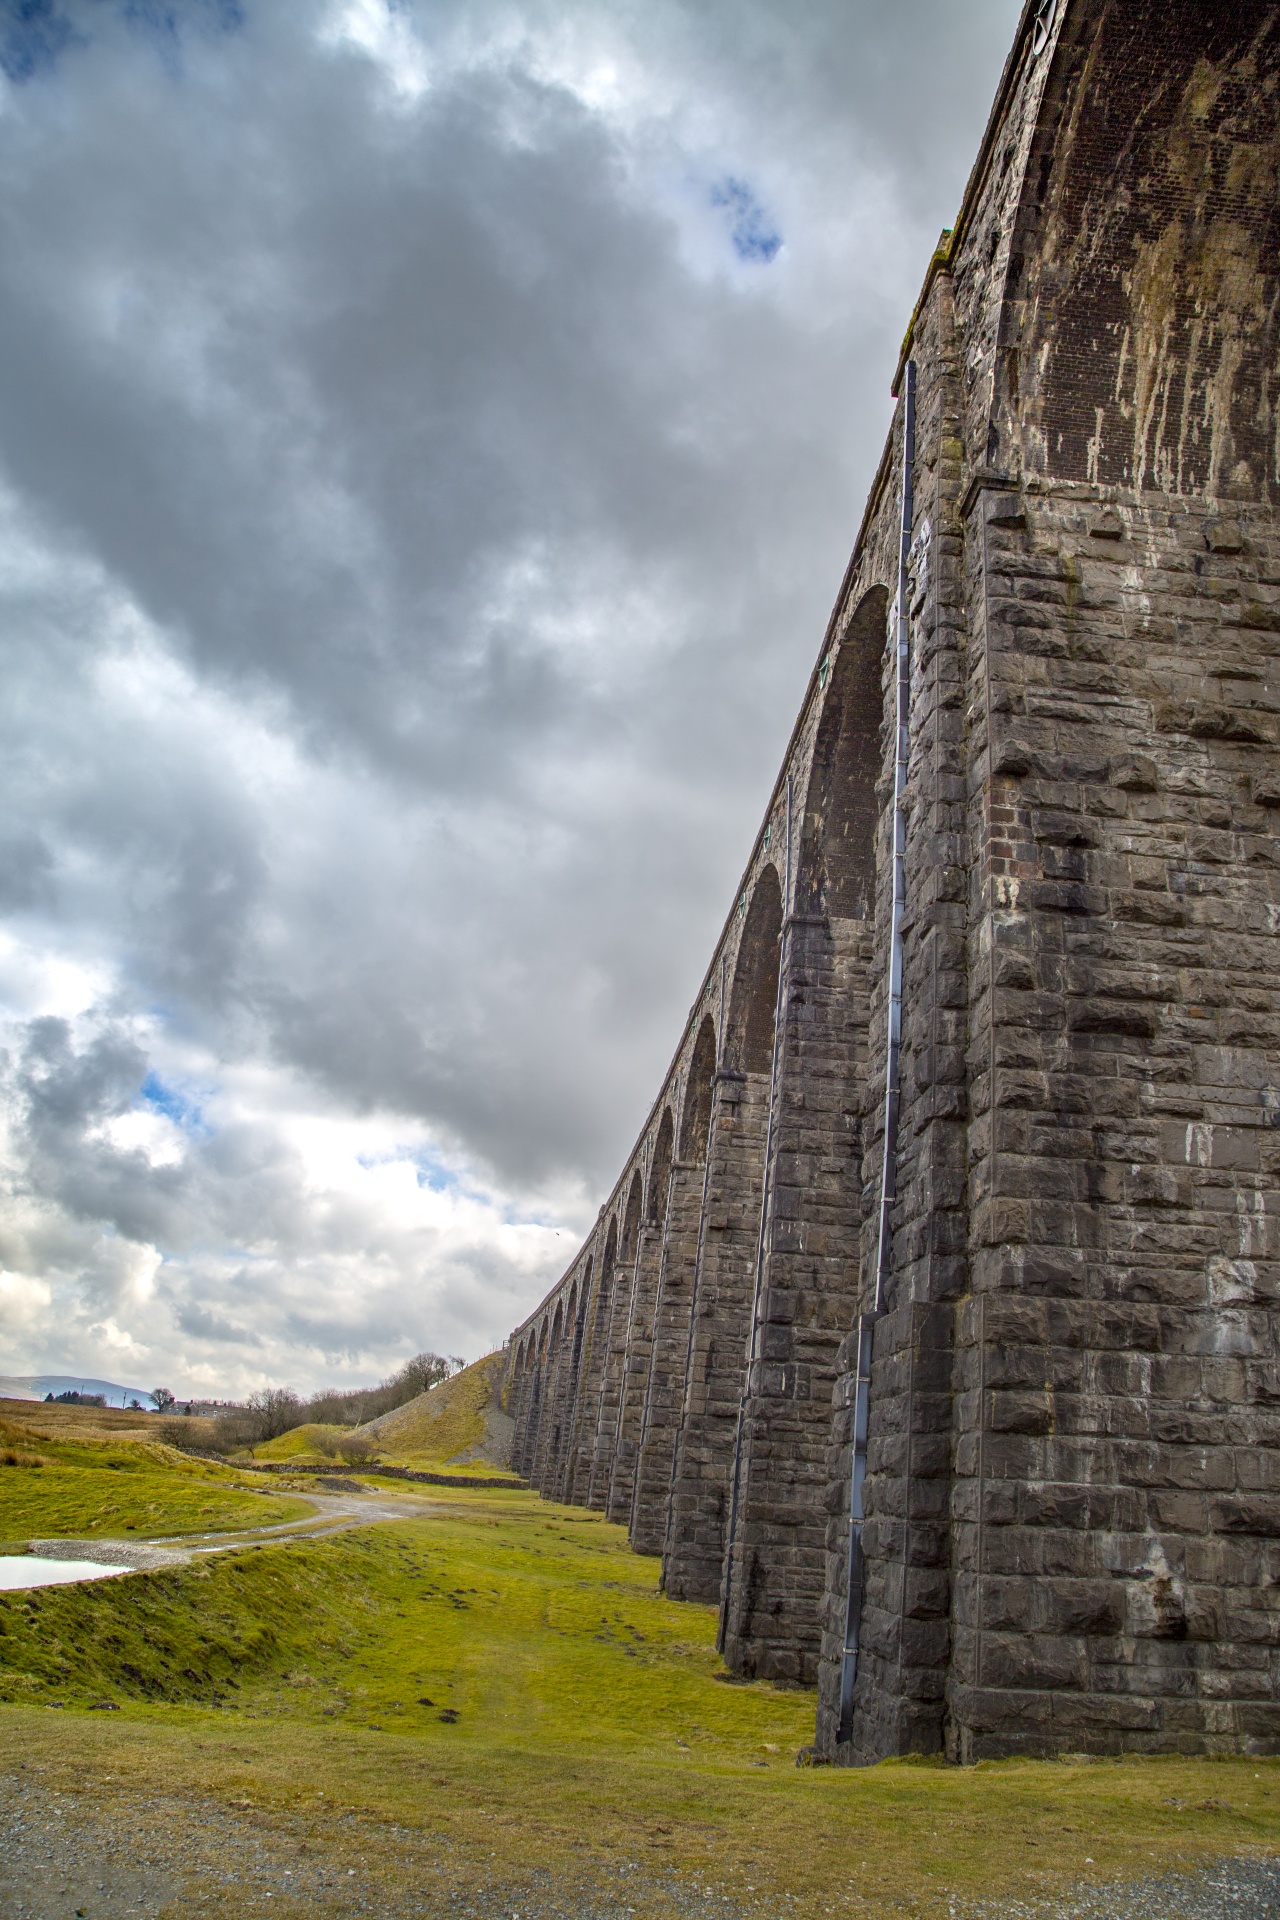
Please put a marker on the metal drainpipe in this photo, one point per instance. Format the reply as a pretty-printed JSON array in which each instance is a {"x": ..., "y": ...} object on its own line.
[
  {"x": 892, "y": 1084},
  {"x": 765, "y": 1196}
]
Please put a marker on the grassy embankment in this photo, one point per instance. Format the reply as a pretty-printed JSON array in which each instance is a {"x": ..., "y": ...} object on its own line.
[
  {"x": 447, "y": 1429},
  {"x": 73, "y": 1480},
  {"x": 499, "y": 1685}
]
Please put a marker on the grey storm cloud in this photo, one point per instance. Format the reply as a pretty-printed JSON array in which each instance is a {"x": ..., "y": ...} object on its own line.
[{"x": 430, "y": 440}]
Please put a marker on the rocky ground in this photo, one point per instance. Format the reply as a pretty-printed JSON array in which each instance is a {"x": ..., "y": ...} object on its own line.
[
  {"x": 88, "y": 1856},
  {"x": 94, "y": 1855},
  {"x": 1228, "y": 1890}
]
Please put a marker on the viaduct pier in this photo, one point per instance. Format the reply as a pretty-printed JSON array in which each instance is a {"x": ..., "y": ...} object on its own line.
[{"x": 931, "y": 1328}]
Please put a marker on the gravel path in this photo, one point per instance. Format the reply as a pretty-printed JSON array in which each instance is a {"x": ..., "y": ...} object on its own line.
[
  {"x": 105, "y": 1855},
  {"x": 67, "y": 1853},
  {"x": 1228, "y": 1890},
  {"x": 330, "y": 1513}
]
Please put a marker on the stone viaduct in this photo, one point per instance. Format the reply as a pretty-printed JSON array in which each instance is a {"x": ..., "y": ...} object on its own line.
[{"x": 931, "y": 1328}]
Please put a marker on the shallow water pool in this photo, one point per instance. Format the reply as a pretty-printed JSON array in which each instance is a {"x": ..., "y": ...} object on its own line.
[{"x": 25, "y": 1570}]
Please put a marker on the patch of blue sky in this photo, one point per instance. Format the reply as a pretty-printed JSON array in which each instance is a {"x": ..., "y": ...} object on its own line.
[
  {"x": 176, "y": 1105},
  {"x": 429, "y": 1169},
  {"x": 35, "y": 33},
  {"x": 751, "y": 231},
  {"x": 435, "y": 1175}
]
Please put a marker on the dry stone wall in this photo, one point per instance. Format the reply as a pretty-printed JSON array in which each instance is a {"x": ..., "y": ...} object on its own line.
[{"x": 1065, "y": 1494}]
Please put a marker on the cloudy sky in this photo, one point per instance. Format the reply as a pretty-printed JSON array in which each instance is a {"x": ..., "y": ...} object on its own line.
[{"x": 431, "y": 437}]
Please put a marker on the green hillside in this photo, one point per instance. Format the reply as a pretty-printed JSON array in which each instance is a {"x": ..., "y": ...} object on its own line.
[
  {"x": 73, "y": 1488},
  {"x": 458, "y": 1424}
]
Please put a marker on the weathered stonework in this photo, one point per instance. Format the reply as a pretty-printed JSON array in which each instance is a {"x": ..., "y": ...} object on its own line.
[{"x": 1072, "y": 1495}]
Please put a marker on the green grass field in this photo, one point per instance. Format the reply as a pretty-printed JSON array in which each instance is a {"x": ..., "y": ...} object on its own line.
[
  {"x": 55, "y": 1487},
  {"x": 503, "y": 1674}
]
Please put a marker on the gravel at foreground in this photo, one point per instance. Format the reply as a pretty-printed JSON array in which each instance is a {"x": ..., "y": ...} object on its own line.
[
  {"x": 107, "y": 1856},
  {"x": 1228, "y": 1890},
  {"x": 67, "y": 1854}
]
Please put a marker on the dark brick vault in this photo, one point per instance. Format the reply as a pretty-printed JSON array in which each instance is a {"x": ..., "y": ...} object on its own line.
[{"x": 1063, "y": 1453}]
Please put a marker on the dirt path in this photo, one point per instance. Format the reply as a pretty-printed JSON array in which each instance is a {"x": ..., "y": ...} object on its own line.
[{"x": 331, "y": 1513}]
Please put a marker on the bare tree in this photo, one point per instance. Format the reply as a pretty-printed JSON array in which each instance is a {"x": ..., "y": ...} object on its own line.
[
  {"x": 274, "y": 1410},
  {"x": 419, "y": 1375},
  {"x": 161, "y": 1399}
]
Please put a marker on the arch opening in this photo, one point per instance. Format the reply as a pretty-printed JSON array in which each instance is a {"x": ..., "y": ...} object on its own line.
[
  {"x": 753, "y": 1002},
  {"x": 631, "y": 1225},
  {"x": 695, "y": 1120},
  {"x": 660, "y": 1171},
  {"x": 610, "y": 1259},
  {"x": 837, "y": 871}
]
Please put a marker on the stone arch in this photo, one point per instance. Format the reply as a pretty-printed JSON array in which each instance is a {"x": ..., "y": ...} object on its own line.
[
  {"x": 698, "y": 1508},
  {"x": 638, "y": 1347},
  {"x": 560, "y": 1387},
  {"x": 574, "y": 1393},
  {"x": 621, "y": 1326},
  {"x": 695, "y": 1119},
  {"x": 836, "y": 875},
  {"x": 1149, "y": 229},
  {"x": 545, "y": 1460},
  {"x": 631, "y": 1222},
  {"x": 610, "y": 1260},
  {"x": 615, "y": 1323},
  {"x": 676, "y": 1183},
  {"x": 536, "y": 1396},
  {"x": 517, "y": 1397},
  {"x": 660, "y": 1171},
  {"x": 596, "y": 1309},
  {"x": 753, "y": 1001}
]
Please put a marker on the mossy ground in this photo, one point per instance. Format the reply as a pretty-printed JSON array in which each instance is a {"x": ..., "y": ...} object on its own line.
[
  {"x": 53, "y": 1486},
  {"x": 591, "y": 1734}
]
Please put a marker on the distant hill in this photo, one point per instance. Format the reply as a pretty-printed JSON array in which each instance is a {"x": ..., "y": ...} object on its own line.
[{"x": 36, "y": 1386}]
